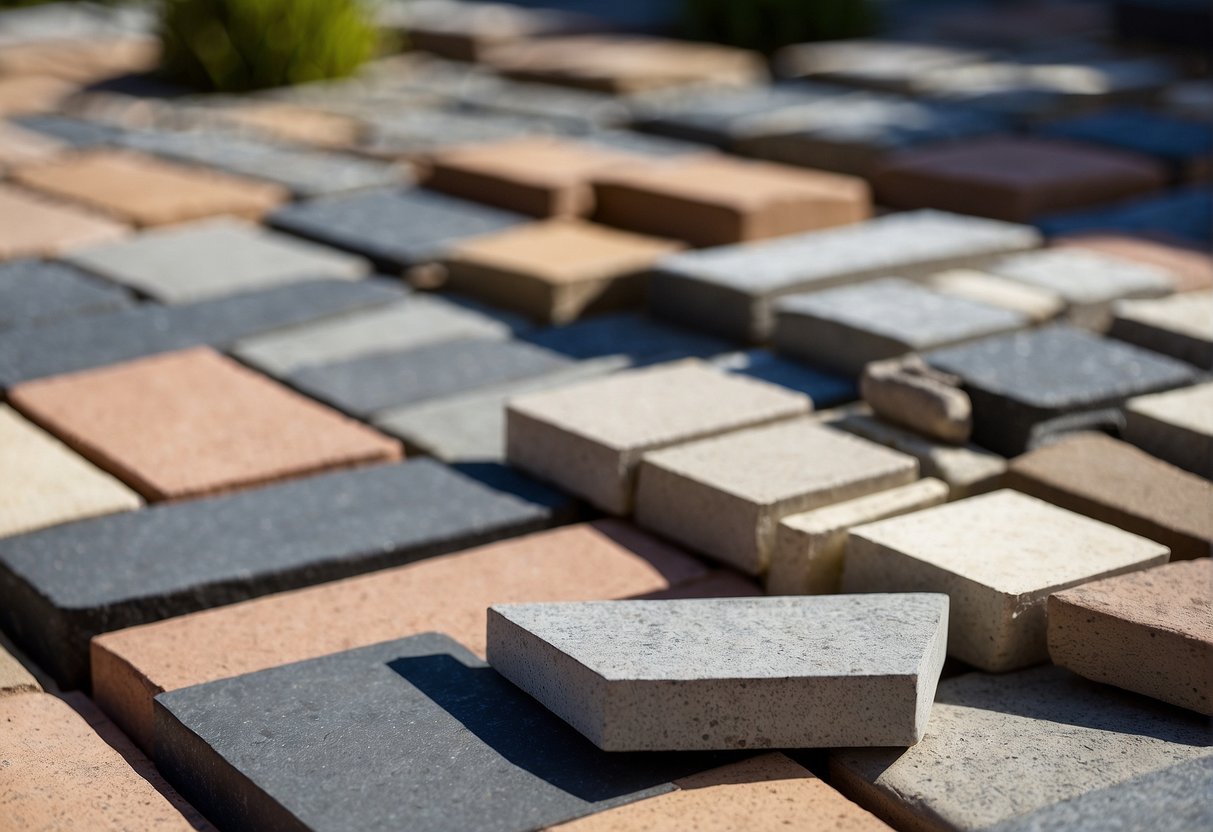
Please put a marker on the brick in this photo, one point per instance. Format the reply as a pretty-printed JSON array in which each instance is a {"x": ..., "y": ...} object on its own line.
[
  {"x": 556, "y": 271},
  {"x": 395, "y": 229},
  {"x": 83, "y": 61},
  {"x": 1184, "y": 145},
  {"x": 1038, "y": 303},
  {"x": 463, "y": 31},
  {"x": 1025, "y": 762},
  {"x": 875, "y": 64},
  {"x": 20, "y": 94},
  {"x": 1191, "y": 269},
  {"x": 389, "y": 719},
  {"x": 767, "y": 792},
  {"x": 33, "y": 226},
  {"x": 64, "y": 585},
  {"x": 712, "y": 201},
  {"x": 627, "y": 339},
  {"x": 725, "y": 495},
  {"x": 19, "y": 146},
  {"x": 824, "y": 389},
  {"x": 588, "y": 438},
  {"x": 1176, "y": 426},
  {"x": 808, "y": 553},
  {"x": 1149, "y": 632},
  {"x": 1025, "y": 385},
  {"x": 1183, "y": 215},
  {"x": 213, "y": 257},
  {"x": 1180, "y": 326},
  {"x": 1028, "y": 550},
  {"x": 1116, "y": 483},
  {"x": 14, "y": 678},
  {"x": 906, "y": 391},
  {"x": 35, "y": 291},
  {"x": 84, "y": 343},
  {"x": 731, "y": 290},
  {"x": 686, "y": 675},
  {"x": 847, "y": 327},
  {"x": 1015, "y": 179},
  {"x": 449, "y": 594}
]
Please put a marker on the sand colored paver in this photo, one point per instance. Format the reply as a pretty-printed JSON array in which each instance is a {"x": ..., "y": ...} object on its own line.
[
  {"x": 1191, "y": 269},
  {"x": 768, "y": 793},
  {"x": 194, "y": 422},
  {"x": 43, "y": 482},
  {"x": 1180, "y": 326},
  {"x": 14, "y": 678},
  {"x": 588, "y": 438},
  {"x": 725, "y": 495},
  {"x": 293, "y": 123},
  {"x": 718, "y": 200},
  {"x": 1037, "y": 303},
  {"x": 19, "y": 146},
  {"x": 1116, "y": 483},
  {"x": 556, "y": 271},
  {"x": 998, "y": 556},
  {"x": 908, "y": 392},
  {"x": 80, "y": 60},
  {"x": 1150, "y": 632},
  {"x": 1015, "y": 179},
  {"x": 21, "y": 94},
  {"x": 450, "y": 594},
  {"x": 146, "y": 191},
  {"x": 33, "y": 226},
  {"x": 1176, "y": 426}
]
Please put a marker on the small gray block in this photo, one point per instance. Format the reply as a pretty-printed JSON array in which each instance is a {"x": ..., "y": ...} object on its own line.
[
  {"x": 1180, "y": 326},
  {"x": 33, "y": 292},
  {"x": 1176, "y": 426}
]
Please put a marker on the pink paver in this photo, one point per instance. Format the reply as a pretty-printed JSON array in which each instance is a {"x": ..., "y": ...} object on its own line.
[{"x": 32, "y": 225}]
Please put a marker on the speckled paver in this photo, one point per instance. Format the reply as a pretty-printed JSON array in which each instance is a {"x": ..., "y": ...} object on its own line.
[
  {"x": 1190, "y": 268},
  {"x": 730, "y": 290},
  {"x": 389, "y": 719},
  {"x": 606, "y": 559},
  {"x": 1047, "y": 737},
  {"x": 998, "y": 556},
  {"x": 33, "y": 292},
  {"x": 1175, "y": 426},
  {"x": 1186, "y": 146},
  {"x": 33, "y": 226},
  {"x": 724, "y": 496},
  {"x": 1116, "y": 483},
  {"x": 1039, "y": 304},
  {"x": 1180, "y": 326},
  {"x": 588, "y": 437},
  {"x": 1149, "y": 632},
  {"x": 684, "y": 675},
  {"x": 847, "y": 327},
  {"x": 1021, "y": 384}
]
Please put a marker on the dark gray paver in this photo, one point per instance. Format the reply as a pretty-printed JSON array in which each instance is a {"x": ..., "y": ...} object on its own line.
[
  {"x": 579, "y": 111},
  {"x": 824, "y": 388},
  {"x": 35, "y": 291},
  {"x": 394, "y": 228},
  {"x": 61, "y": 586},
  {"x": 1186, "y": 213},
  {"x": 634, "y": 338},
  {"x": 96, "y": 340},
  {"x": 413, "y": 734},
  {"x": 1019, "y": 383}
]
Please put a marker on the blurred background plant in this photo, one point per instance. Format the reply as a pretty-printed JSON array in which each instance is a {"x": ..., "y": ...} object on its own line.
[{"x": 766, "y": 25}]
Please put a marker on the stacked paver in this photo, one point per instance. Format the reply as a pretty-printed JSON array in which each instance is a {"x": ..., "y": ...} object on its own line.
[{"x": 558, "y": 427}]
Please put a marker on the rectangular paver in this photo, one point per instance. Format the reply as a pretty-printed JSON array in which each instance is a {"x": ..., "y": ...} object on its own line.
[
  {"x": 1180, "y": 326},
  {"x": 1037, "y": 303},
  {"x": 872, "y": 63},
  {"x": 36, "y": 291},
  {"x": 32, "y": 225},
  {"x": 1176, "y": 426},
  {"x": 1190, "y": 268}
]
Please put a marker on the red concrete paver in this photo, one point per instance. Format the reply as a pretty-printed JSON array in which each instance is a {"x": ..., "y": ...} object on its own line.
[
  {"x": 1191, "y": 269},
  {"x": 32, "y": 225}
]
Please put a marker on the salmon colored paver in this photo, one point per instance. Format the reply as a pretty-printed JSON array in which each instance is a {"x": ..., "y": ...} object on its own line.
[
  {"x": 1192, "y": 270},
  {"x": 291, "y": 123},
  {"x": 23, "y": 94},
  {"x": 769, "y": 792},
  {"x": 193, "y": 422},
  {"x": 32, "y": 225},
  {"x": 20, "y": 146},
  {"x": 146, "y": 191},
  {"x": 450, "y": 594}
]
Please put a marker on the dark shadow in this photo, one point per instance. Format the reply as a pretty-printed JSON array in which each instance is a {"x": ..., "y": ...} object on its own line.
[
  {"x": 825, "y": 388},
  {"x": 633, "y": 336},
  {"x": 139, "y": 85}
]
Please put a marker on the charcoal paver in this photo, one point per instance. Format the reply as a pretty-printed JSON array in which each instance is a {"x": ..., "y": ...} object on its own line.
[
  {"x": 35, "y": 291},
  {"x": 1176, "y": 426},
  {"x": 33, "y": 226},
  {"x": 630, "y": 338},
  {"x": 1180, "y": 326}
]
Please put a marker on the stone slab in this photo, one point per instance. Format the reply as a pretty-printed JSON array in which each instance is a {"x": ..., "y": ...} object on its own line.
[
  {"x": 1180, "y": 326},
  {"x": 730, "y": 290},
  {"x": 1149, "y": 632},
  {"x": 998, "y": 556},
  {"x": 1182, "y": 215},
  {"x": 145, "y": 191},
  {"x": 847, "y": 327},
  {"x": 395, "y": 229},
  {"x": 1116, "y": 483},
  {"x": 35, "y": 291},
  {"x": 449, "y": 594},
  {"x": 14, "y": 678},
  {"x": 1039, "y": 304},
  {"x": 626, "y": 339},
  {"x": 211, "y": 258},
  {"x": 1190, "y": 268},
  {"x": 1020, "y": 383},
  {"x": 724, "y": 496},
  {"x": 689, "y": 675},
  {"x": 1176, "y": 426},
  {"x": 808, "y": 553},
  {"x": 588, "y": 437},
  {"x": 825, "y": 389},
  {"x": 62, "y": 586},
  {"x": 386, "y": 722},
  {"x": 33, "y": 226},
  {"x": 1185, "y": 145},
  {"x": 1048, "y": 737}
]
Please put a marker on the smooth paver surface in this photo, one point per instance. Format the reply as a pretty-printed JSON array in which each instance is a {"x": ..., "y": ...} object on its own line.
[
  {"x": 34, "y": 226},
  {"x": 1038, "y": 304},
  {"x": 1176, "y": 426},
  {"x": 37, "y": 291}
]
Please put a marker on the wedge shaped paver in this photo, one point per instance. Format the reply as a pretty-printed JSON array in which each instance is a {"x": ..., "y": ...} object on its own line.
[
  {"x": 725, "y": 495},
  {"x": 588, "y": 438},
  {"x": 1176, "y": 426},
  {"x": 998, "y": 556},
  {"x": 684, "y": 675},
  {"x": 64, "y": 585},
  {"x": 730, "y": 290},
  {"x": 33, "y": 292},
  {"x": 1048, "y": 737},
  {"x": 386, "y": 722},
  {"x": 33, "y": 226},
  {"x": 1150, "y": 632},
  {"x": 1180, "y": 326},
  {"x": 213, "y": 257}
]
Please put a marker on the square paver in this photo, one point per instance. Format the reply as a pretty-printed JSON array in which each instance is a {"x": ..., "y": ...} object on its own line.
[
  {"x": 292, "y": 123},
  {"x": 998, "y": 556},
  {"x": 1149, "y": 632},
  {"x": 686, "y": 675},
  {"x": 718, "y": 200},
  {"x": 847, "y": 327},
  {"x": 33, "y": 226},
  {"x": 1176, "y": 426},
  {"x": 213, "y": 257},
  {"x": 194, "y": 422},
  {"x": 556, "y": 271},
  {"x": 74, "y": 132},
  {"x": 34, "y": 292},
  {"x": 588, "y": 438},
  {"x": 1180, "y": 326},
  {"x": 145, "y": 191},
  {"x": 724, "y": 496}
]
